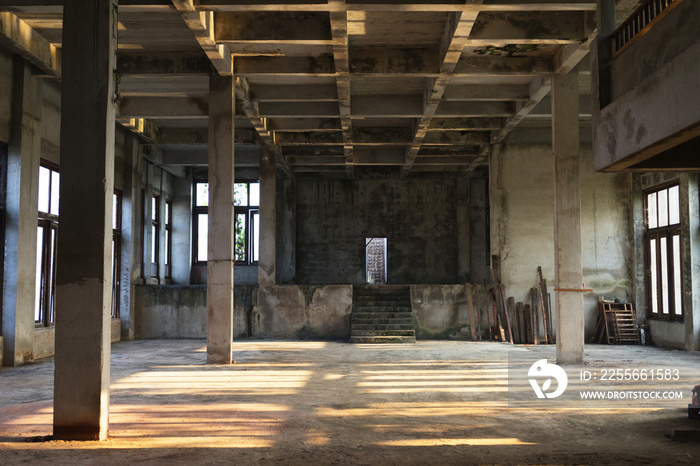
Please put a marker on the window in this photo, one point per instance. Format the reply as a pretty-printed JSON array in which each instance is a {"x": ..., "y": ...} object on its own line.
[
  {"x": 200, "y": 219},
  {"x": 375, "y": 255},
  {"x": 662, "y": 243},
  {"x": 47, "y": 232},
  {"x": 168, "y": 237},
  {"x": 247, "y": 222},
  {"x": 246, "y": 199},
  {"x": 116, "y": 250},
  {"x": 155, "y": 236}
]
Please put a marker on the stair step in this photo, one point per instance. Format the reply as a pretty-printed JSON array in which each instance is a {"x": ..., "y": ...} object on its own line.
[
  {"x": 375, "y": 320},
  {"x": 381, "y": 310},
  {"x": 383, "y": 339},
  {"x": 382, "y": 314},
  {"x": 382, "y": 327},
  {"x": 383, "y": 333},
  {"x": 373, "y": 304}
]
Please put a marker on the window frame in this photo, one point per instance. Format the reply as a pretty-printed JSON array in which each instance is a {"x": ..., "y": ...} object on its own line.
[
  {"x": 249, "y": 212},
  {"x": 155, "y": 219},
  {"x": 46, "y": 256},
  {"x": 116, "y": 253},
  {"x": 168, "y": 238},
  {"x": 658, "y": 235},
  {"x": 196, "y": 212}
]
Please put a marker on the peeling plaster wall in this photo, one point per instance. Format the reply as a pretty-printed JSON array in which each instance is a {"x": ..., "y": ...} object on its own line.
[
  {"x": 304, "y": 312},
  {"x": 522, "y": 225},
  {"x": 174, "y": 311},
  {"x": 419, "y": 216},
  {"x": 440, "y": 312}
]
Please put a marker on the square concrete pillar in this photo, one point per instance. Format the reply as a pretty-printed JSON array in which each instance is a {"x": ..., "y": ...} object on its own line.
[
  {"x": 567, "y": 218},
  {"x": 220, "y": 250},
  {"x": 83, "y": 275},
  {"x": 268, "y": 217},
  {"x": 131, "y": 234},
  {"x": 23, "y": 160}
]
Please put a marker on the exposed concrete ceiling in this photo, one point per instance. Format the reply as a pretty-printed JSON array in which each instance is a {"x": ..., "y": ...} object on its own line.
[{"x": 333, "y": 84}]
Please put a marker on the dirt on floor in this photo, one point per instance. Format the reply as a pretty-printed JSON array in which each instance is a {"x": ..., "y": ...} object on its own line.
[{"x": 297, "y": 402}]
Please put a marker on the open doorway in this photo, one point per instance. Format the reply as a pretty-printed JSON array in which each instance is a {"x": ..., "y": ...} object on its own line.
[{"x": 375, "y": 254}]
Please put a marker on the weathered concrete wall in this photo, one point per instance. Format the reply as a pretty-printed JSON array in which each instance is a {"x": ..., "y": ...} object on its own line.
[
  {"x": 440, "y": 312},
  {"x": 51, "y": 121},
  {"x": 2, "y": 348},
  {"x": 116, "y": 326},
  {"x": 285, "y": 254},
  {"x": 305, "y": 312},
  {"x": 522, "y": 225},
  {"x": 654, "y": 90},
  {"x": 174, "y": 311},
  {"x": 44, "y": 342},
  {"x": 419, "y": 216}
]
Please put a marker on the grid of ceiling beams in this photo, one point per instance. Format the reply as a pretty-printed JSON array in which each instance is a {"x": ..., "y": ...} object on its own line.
[{"x": 337, "y": 84}]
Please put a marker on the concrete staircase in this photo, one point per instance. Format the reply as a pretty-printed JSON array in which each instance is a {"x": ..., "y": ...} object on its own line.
[{"x": 382, "y": 314}]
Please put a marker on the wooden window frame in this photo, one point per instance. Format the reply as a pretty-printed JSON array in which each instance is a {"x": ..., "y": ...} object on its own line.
[{"x": 658, "y": 234}]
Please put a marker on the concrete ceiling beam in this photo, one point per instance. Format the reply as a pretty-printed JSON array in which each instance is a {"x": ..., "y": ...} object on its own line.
[
  {"x": 341, "y": 60},
  {"x": 539, "y": 88},
  {"x": 17, "y": 36},
  {"x": 201, "y": 24}
]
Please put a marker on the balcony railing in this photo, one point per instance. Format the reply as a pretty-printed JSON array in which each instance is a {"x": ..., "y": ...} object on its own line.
[{"x": 644, "y": 17}]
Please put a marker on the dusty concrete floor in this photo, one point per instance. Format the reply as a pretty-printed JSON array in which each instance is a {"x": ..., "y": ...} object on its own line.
[{"x": 337, "y": 403}]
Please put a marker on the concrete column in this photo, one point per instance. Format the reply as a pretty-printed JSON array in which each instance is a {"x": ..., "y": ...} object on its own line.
[
  {"x": 605, "y": 19},
  {"x": 567, "y": 218},
  {"x": 131, "y": 234},
  {"x": 220, "y": 251},
  {"x": 83, "y": 279},
  {"x": 21, "y": 216},
  {"x": 690, "y": 251},
  {"x": 268, "y": 212}
]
